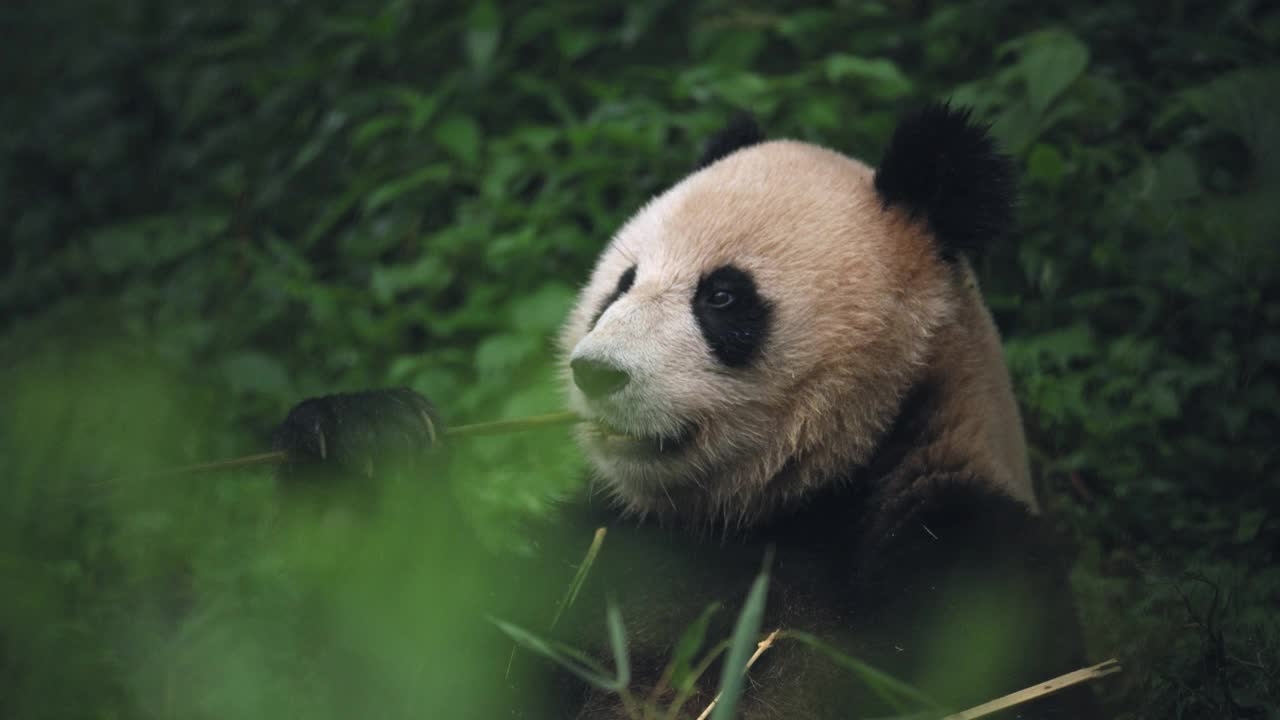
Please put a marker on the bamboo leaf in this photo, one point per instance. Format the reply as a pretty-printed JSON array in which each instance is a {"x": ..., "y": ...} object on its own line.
[
  {"x": 687, "y": 647},
  {"x": 571, "y": 659},
  {"x": 618, "y": 643},
  {"x": 745, "y": 634},
  {"x": 888, "y": 688}
]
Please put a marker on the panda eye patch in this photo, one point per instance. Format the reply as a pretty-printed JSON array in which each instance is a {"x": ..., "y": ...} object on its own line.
[{"x": 732, "y": 315}]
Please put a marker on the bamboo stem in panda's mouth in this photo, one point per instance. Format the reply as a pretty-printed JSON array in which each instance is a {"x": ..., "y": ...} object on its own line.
[
  {"x": 502, "y": 427},
  {"x": 495, "y": 427}
]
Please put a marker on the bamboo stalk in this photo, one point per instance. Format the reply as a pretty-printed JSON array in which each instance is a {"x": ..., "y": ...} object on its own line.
[
  {"x": 499, "y": 427},
  {"x": 1039, "y": 690},
  {"x": 267, "y": 458},
  {"x": 496, "y": 427},
  {"x": 761, "y": 647}
]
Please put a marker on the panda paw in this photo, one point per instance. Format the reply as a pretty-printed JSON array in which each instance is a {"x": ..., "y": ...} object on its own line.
[{"x": 361, "y": 434}]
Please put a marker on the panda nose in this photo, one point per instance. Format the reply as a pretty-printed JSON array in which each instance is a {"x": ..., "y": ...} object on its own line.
[{"x": 597, "y": 378}]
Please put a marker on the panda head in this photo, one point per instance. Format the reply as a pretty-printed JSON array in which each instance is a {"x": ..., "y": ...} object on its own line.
[{"x": 751, "y": 332}]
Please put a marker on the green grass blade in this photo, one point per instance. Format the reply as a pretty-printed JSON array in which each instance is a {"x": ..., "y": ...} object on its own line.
[
  {"x": 681, "y": 667},
  {"x": 888, "y": 688},
  {"x": 571, "y": 659},
  {"x": 746, "y": 634},
  {"x": 580, "y": 576},
  {"x": 618, "y": 643}
]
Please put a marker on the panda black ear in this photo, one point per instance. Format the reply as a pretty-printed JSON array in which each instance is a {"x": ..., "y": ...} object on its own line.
[
  {"x": 741, "y": 132},
  {"x": 945, "y": 166}
]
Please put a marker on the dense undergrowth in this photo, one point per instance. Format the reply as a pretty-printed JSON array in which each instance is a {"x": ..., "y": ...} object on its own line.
[{"x": 213, "y": 210}]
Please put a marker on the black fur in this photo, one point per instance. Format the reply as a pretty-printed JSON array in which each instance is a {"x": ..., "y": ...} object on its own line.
[
  {"x": 741, "y": 132},
  {"x": 921, "y": 581},
  {"x": 944, "y": 166},
  {"x": 926, "y": 573},
  {"x": 625, "y": 281},
  {"x": 734, "y": 333}
]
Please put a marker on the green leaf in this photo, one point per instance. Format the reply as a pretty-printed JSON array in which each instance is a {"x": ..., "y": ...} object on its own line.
[
  {"x": 1016, "y": 127},
  {"x": 892, "y": 691},
  {"x": 484, "y": 28},
  {"x": 1052, "y": 60},
  {"x": 618, "y": 643},
  {"x": 150, "y": 241},
  {"x": 687, "y": 647},
  {"x": 571, "y": 659},
  {"x": 373, "y": 128},
  {"x": 746, "y": 634},
  {"x": 460, "y": 135},
  {"x": 500, "y": 354},
  {"x": 1176, "y": 180},
  {"x": 1244, "y": 103},
  {"x": 576, "y": 42},
  {"x": 803, "y": 26},
  {"x": 1163, "y": 401},
  {"x": 544, "y": 310},
  {"x": 421, "y": 107},
  {"x": 252, "y": 371},
  {"x": 580, "y": 576},
  {"x": 1045, "y": 164},
  {"x": 428, "y": 272},
  {"x": 1250, "y": 524},
  {"x": 388, "y": 192},
  {"x": 882, "y": 78}
]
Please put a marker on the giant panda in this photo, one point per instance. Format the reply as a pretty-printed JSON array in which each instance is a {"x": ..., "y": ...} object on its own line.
[{"x": 788, "y": 350}]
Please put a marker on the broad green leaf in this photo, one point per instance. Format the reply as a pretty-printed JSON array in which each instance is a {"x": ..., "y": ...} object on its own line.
[
  {"x": 575, "y": 42},
  {"x": 252, "y": 371},
  {"x": 1016, "y": 127},
  {"x": 421, "y": 106},
  {"x": 1045, "y": 164},
  {"x": 881, "y": 77},
  {"x": 802, "y": 26},
  {"x": 428, "y": 273},
  {"x": 544, "y": 310},
  {"x": 501, "y": 353},
  {"x": 387, "y": 193},
  {"x": 1176, "y": 180},
  {"x": 484, "y": 26},
  {"x": 373, "y": 128},
  {"x": 460, "y": 135},
  {"x": 1051, "y": 61}
]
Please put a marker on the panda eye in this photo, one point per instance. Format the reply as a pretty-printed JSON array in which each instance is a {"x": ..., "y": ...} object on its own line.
[{"x": 720, "y": 299}]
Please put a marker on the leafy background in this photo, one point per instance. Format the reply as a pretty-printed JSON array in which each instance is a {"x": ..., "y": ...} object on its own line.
[{"x": 214, "y": 210}]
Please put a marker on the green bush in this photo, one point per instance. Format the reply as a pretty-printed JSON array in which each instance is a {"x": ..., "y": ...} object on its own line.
[{"x": 213, "y": 210}]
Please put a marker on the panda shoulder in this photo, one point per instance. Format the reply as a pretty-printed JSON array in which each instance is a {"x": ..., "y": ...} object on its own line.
[{"x": 956, "y": 522}]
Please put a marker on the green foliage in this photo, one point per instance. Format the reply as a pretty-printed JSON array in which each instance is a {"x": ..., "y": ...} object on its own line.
[{"x": 213, "y": 210}]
